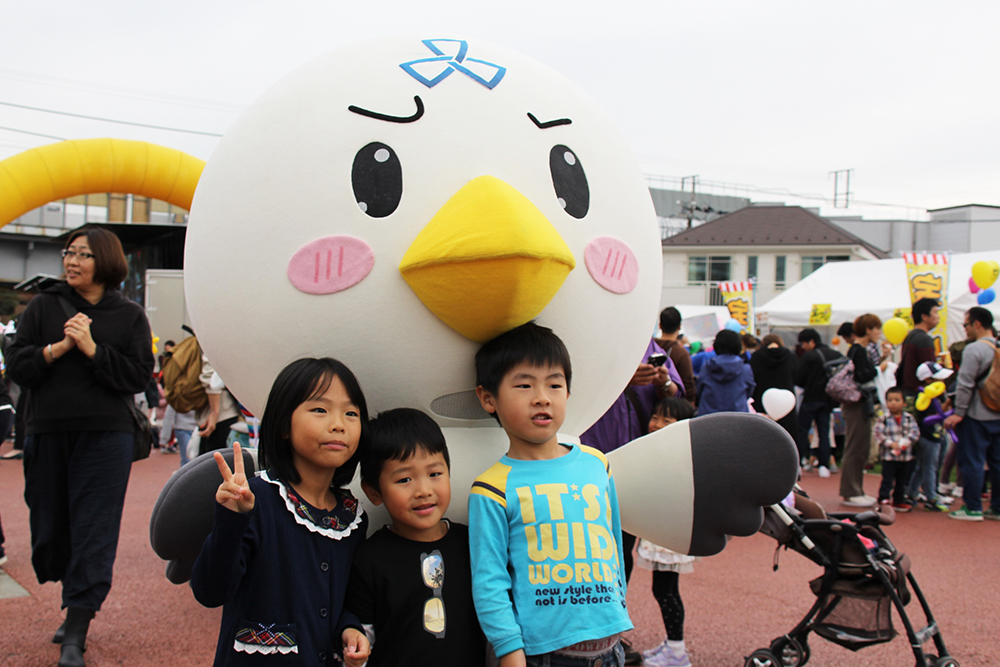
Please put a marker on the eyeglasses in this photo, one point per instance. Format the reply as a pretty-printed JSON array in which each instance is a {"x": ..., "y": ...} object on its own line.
[
  {"x": 966, "y": 324},
  {"x": 81, "y": 255},
  {"x": 432, "y": 571}
]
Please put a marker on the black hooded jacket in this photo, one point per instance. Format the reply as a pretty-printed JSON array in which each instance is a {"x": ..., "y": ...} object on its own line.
[
  {"x": 75, "y": 393},
  {"x": 812, "y": 376},
  {"x": 773, "y": 368}
]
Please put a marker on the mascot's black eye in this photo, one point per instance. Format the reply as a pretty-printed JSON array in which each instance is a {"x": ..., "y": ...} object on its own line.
[
  {"x": 569, "y": 181},
  {"x": 377, "y": 178}
]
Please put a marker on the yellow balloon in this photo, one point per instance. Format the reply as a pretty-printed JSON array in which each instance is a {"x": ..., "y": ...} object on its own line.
[
  {"x": 933, "y": 390},
  {"x": 895, "y": 330},
  {"x": 923, "y": 401},
  {"x": 985, "y": 272}
]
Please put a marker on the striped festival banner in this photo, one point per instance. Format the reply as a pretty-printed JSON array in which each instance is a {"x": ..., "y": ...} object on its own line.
[
  {"x": 927, "y": 276},
  {"x": 739, "y": 301}
]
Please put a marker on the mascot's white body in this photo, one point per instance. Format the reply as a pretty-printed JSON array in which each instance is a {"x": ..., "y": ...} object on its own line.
[{"x": 396, "y": 203}]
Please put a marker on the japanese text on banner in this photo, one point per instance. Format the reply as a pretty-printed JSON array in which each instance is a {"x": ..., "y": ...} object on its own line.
[
  {"x": 738, "y": 298},
  {"x": 927, "y": 276}
]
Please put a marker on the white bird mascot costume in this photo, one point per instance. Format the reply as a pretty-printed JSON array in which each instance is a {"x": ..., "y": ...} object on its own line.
[{"x": 397, "y": 203}]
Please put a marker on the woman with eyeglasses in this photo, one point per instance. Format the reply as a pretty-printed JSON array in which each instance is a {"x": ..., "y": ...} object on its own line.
[{"x": 82, "y": 350}]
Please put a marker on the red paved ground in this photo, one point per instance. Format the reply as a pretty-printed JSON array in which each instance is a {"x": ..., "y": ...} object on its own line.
[{"x": 735, "y": 603}]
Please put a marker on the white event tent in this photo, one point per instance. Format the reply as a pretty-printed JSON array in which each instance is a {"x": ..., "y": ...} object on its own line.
[{"x": 874, "y": 286}]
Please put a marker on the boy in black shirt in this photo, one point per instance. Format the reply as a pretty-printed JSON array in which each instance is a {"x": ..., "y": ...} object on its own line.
[{"x": 411, "y": 582}]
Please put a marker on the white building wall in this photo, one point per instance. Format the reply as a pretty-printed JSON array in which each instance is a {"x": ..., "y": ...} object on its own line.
[{"x": 676, "y": 289}]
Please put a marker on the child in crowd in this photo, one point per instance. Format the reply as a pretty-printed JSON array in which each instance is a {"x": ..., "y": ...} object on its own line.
[
  {"x": 667, "y": 565},
  {"x": 411, "y": 582},
  {"x": 930, "y": 443},
  {"x": 547, "y": 563},
  {"x": 279, "y": 554},
  {"x": 896, "y": 433},
  {"x": 725, "y": 383}
]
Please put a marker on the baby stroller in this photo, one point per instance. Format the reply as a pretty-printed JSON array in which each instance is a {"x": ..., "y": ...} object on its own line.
[{"x": 864, "y": 576}]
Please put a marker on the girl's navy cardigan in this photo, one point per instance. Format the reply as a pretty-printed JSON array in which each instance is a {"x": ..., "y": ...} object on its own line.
[{"x": 281, "y": 581}]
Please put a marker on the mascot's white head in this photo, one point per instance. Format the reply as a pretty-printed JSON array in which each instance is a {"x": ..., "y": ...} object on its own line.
[{"x": 397, "y": 203}]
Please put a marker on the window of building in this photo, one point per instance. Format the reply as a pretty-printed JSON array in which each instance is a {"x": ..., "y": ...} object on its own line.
[
  {"x": 752, "y": 267},
  {"x": 709, "y": 269},
  {"x": 813, "y": 262},
  {"x": 779, "y": 271}
]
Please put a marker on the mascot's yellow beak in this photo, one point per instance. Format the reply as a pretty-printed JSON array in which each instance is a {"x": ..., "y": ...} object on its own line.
[{"x": 488, "y": 261}]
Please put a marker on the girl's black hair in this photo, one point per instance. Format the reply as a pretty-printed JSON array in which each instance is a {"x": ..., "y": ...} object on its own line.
[
  {"x": 677, "y": 408},
  {"x": 298, "y": 382},
  {"x": 728, "y": 342}
]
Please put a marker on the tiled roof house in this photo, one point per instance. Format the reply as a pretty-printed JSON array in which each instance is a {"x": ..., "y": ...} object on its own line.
[{"x": 776, "y": 245}]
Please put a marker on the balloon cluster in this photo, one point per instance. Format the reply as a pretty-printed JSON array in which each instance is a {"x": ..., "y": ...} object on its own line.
[
  {"x": 984, "y": 274},
  {"x": 929, "y": 398}
]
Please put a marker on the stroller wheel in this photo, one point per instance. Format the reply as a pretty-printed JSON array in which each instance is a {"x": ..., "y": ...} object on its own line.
[
  {"x": 762, "y": 657},
  {"x": 790, "y": 652},
  {"x": 946, "y": 661}
]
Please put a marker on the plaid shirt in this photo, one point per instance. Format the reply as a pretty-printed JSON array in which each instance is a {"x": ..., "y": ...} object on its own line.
[{"x": 888, "y": 433}]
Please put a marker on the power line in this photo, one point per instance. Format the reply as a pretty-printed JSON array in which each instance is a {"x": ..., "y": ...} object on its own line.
[
  {"x": 110, "y": 120},
  {"x": 119, "y": 91},
  {"x": 34, "y": 134}
]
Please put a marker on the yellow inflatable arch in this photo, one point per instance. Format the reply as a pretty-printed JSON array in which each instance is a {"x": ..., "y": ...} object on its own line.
[{"x": 91, "y": 166}]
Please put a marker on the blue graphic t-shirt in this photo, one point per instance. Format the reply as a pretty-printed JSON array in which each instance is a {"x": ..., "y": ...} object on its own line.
[{"x": 547, "y": 567}]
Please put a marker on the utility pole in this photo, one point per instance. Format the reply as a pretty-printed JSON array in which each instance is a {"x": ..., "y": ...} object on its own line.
[
  {"x": 692, "y": 204},
  {"x": 847, "y": 187}
]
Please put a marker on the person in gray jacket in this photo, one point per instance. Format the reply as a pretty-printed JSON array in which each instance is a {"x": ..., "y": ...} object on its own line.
[{"x": 978, "y": 426}]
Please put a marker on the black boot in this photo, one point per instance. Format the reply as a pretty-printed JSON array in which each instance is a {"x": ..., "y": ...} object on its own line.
[
  {"x": 60, "y": 633},
  {"x": 75, "y": 636}
]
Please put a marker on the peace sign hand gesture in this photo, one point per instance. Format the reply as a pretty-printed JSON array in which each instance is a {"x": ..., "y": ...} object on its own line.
[{"x": 234, "y": 493}]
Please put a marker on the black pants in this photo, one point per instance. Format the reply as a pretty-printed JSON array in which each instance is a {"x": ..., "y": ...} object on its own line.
[
  {"x": 74, "y": 484},
  {"x": 218, "y": 437},
  {"x": 895, "y": 478},
  {"x": 819, "y": 412},
  {"x": 628, "y": 544}
]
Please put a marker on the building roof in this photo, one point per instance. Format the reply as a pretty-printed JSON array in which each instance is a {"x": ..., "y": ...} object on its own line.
[
  {"x": 949, "y": 208},
  {"x": 770, "y": 226}
]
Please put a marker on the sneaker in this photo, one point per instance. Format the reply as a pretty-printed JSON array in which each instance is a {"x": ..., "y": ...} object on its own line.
[
  {"x": 833, "y": 468},
  {"x": 957, "y": 492},
  {"x": 935, "y": 506},
  {"x": 632, "y": 657},
  {"x": 824, "y": 472},
  {"x": 965, "y": 514},
  {"x": 859, "y": 501},
  {"x": 988, "y": 513},
  {"x": 667, "y": 658},
  {"x": 921, "y": 498},
  {"x": 902, "y": 507},
  {"x": 945, "y": 488},
  {"x": 945, "y": 500},
  {"x": 806, "y": 466},
  {"x": 656, "y": 650}
]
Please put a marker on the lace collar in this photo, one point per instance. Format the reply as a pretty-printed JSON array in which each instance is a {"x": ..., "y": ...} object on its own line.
[{"x": 336, "y": 525}]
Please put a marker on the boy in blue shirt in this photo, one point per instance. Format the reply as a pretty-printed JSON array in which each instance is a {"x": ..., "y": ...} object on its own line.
[
  {"x": 410, "y": 581},
  {"x": 547, "y": 564}
]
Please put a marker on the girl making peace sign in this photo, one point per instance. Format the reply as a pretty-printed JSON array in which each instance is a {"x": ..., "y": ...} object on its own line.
[{"x": 280, "y": 551}]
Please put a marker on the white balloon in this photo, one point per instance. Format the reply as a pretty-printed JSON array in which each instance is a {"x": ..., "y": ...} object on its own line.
[{"x": 778, "y": 402}]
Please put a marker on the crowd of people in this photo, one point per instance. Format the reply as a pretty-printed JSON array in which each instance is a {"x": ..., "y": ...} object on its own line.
[
  {"x": 287, "y": 542},
  {"x": 909, "y": 414}
]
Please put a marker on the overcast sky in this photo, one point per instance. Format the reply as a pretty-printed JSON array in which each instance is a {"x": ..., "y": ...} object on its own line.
[{"x": 773, "y": 95}]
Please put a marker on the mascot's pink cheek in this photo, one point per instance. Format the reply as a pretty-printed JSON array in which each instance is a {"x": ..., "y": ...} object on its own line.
[
  {"x": 330, "y": 264},
  {"x": 612, "y": 264}
]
